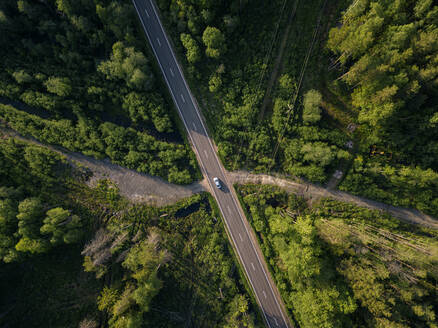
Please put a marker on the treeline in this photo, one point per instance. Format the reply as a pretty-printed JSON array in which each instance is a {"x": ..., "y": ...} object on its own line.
[
  {"x": 400, "y": 185},
  {"x": 391, "y": 267},
  {"x": 308, "y": 141},
  {"x": 396, "y": 153},
  {"x": 141, "y": 263},
  {"x": 387, "y": 51},
  {"x": 85, "y": 62},
  {"x": 125, "y": 146},
  {"x": 338, "y": 265},
  {"x": 307, "y": 145}
]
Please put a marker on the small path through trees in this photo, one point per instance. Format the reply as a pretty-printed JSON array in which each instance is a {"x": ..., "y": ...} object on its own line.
[
  {"x": 136, "y": 186},
  {"x": 139, "y": 187},
  {"x": 313, "y": 192}
]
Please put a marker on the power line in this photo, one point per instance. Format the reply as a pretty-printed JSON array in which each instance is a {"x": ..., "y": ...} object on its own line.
[
  {"x": 303, "y": 69},
  {"x": 261, "y": 76}
]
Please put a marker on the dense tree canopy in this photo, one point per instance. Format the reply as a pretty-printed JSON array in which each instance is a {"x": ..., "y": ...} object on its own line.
[
  {"x": 389, "y": 49},
  {"x": 388, "y": 52},
  {"x": 338, "y": 265},
  {"x": 28, "y": 223},
  {"x": 83, "y": 69},
  {"x": 147, "y": 260}
]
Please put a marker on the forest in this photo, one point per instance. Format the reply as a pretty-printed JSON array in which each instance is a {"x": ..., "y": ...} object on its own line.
[
  {"x": 78, "y": 74},
  {"x": 211, "y": 39},
  {"x": 370, "y": 65},
  {"x": 72, "y": 256},
  {"x": 338, "y": 265},
  {"x": 387, "y": 51},
  {"x": 296, "y": 125},
  {"x": 300, "y": 89}
]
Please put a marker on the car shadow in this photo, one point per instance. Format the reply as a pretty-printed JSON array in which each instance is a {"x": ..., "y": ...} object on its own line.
[{"x": 224, "y": 187}]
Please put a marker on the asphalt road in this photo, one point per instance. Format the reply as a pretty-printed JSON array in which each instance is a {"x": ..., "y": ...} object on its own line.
[{"x": 247, "y": 250}]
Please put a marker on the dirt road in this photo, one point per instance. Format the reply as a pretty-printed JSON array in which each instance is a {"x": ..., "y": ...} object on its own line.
[
  {"x": 314, "y": 192},
  {"x": 137, "y": 187}
]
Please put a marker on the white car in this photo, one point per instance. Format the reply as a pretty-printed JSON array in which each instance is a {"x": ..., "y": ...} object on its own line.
[{"x": 217, "y": 183}]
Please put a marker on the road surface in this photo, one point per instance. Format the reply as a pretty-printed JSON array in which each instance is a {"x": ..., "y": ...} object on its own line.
[{"x": 247, "y": 249}]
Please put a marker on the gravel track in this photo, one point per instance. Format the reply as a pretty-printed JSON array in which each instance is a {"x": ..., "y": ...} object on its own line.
[
  {"x": 137, "y": 187},
  {"x": 144, "y": 188},
  {"x": 313, "y": 192}
]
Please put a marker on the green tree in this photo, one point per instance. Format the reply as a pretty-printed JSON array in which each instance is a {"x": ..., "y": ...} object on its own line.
[
  {"x": 59, "y": 86},
  {"x": 117, "y": 17},
  {"x": 215, "y": 83},
  {"x": 238, "y": 315},
  {"x": 61, "y": 226},
  {"x": 193, "y": 53},
  {"x": 319, "y": 153},
  {"x": 30, "y": 212},
  {"x": 387, "y": 49},
  {"x": 311, "y": 110},
  {"x": 29, "y": 217},
  {"x": 22, "y": 77},
  {"x": 8, "y": 226},
  {"x": 127, "y": 64},
  {"x": 318, "y": 300},
  {"x": 107, "y": 299},
  {"x": 214, "y": 41}
]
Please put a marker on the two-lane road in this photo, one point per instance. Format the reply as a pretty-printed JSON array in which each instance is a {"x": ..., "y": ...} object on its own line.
[{"x": 232, "y": 213}]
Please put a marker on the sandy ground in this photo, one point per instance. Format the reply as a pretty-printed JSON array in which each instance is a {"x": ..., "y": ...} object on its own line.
[{"x": 137, "y": 187}]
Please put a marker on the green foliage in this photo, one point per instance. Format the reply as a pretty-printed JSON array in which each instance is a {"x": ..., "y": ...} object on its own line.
[
  {"x": 8, "y": 225},
  {"x": 312, "y": 159},
  {"x": 131, "y": 250},
  {"x": 22, "y": 77},
  {"x": 340, "y": 265},
  {"x": 309, "y": 148},
  {"x": 238, "y": 315},
  {"x": 214, "y": 83},
  {"x": 318, "y": 153},
  {"x": 389, "y": 51},
  {"x": 193, "y": 53},
  {"x": 128, "y": 65},
  {"x": 125, "y": 146},
  {"x": 107, "y": 298},
  {"x": 390, "y": 266},
  {"x": 311, "y": 102},
  {"x": 84, "y": 70},
  {"x": 116, "y": 17},
  {"x": 58, "y": 86},
  {"x": 145, "y": 110},
  {"x": 400, "y": 185},
  {"x": 28, "y": 173},
  {"x": 230, "y": 78},
  {"x": 135, "y": 250},
  {"x": 214, "y": 40},
  {"x": 142, "y": 261},
  {"x": 62, "y": 226},
  {"x": 314, "y": 292}
]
